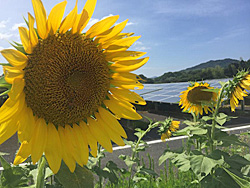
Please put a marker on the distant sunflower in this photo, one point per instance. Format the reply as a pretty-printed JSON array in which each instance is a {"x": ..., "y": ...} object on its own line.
[
  {"x": 167, "y": 127},
  {"x": 68, "y": 87},
  {"x": 195, "y": 99},
  {"x": 240, "y": 83}
]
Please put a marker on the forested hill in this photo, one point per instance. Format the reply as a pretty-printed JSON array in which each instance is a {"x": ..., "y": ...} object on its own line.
[
  {"x": 213, "y": 63},
  {"x": 225, "y": 68}
]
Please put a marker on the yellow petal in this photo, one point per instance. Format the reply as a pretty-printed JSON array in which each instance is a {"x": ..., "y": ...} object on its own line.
[
  {"x": 127, "y": 66},
  {"x": 10, "y": 73},
  {"x": 122, "y": 109},
  {"x": 39, "y": 140},
  {"x": 123, "y": 55},
  {"x": 55, "y": 16},
  {"x": 125, "y": 77},
  {"x": 135, "y": 85},
  {"x": 69, "y": 21},
  {"x": 232, "y": 104},
  {"x": 127, "y": 95},
  {"x": 112, "y": 122},
  {"x": 11, "y": 108},
  {"x": 23, "y": 153},
  {"x": 112, "y": 32},
  {"x": 100, "y": 135},
  {"x": 26, "y": 124},
  {"x": 120, "y": 36},
  {"x": 86, "y": 14},
  {"x": 53, "y": 148},
  {"x": 67, "y": 152},
  {"x": 101, "y": 26},
  {"x": 15, "y": 58},
  {"x": 16, "y": 89},
  {"x": 41, "y": 19},
  {"x": 75, "y": 25},
  {"x": 92, "y": 142},
  {"x": 116, "y": 138},
  {"x": 24, "y": 36},
  {"x": 7, "y": 129},
  {"x": 122, "y": 44},
  {"x": 32, "y": 33},
  {"x": 82, "y": 143},
  {"x": 69, "y": 134}
]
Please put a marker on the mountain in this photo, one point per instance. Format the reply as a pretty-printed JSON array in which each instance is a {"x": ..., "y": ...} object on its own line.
[
  {"x": 214, "y": 69},
  {"x": 213, "y": 63}
]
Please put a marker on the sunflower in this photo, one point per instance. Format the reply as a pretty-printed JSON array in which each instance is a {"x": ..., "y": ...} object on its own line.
[
  {"x": 239, "y": 85},
  {"x": 69, "y": 88},
  {"x": 172, "y": 127},
  {"x": 167, "y": 127},
  {"x": 195, "y": 98}
]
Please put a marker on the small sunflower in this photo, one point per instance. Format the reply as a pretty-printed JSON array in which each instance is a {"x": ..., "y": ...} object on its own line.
[
  {"x": 167, "y": 127},
  {"x": 238, "y": 88},
  {"x": 195, "y": 98},
  {"x": 69, "y": 88}
]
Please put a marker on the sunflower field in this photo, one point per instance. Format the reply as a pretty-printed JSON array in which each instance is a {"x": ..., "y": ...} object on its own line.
[{"x": 64, "y": 92}]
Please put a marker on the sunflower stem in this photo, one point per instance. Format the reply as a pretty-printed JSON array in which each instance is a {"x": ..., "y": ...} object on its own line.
[
  {"x": 135, "y": 150},
  {"x": 99, "y": 165},
  {"x": 41, "y": 173},
  {"x": 215, "y": 113}
]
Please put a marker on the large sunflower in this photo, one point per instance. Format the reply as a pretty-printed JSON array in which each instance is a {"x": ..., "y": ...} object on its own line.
[
  {"x": 68, "y": 87},
  {"x": 238, "y": 88},
  {"x": 196, "y": 98}
]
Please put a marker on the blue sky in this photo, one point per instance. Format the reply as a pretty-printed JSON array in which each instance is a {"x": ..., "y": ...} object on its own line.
[{"x": 177, "y": 34}]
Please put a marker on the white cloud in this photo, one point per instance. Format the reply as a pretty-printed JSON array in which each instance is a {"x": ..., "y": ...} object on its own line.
[
  {"x": 138, "y": 45},
  {"x": 131, "y": 23},
  {"x": 5, "y": 36},
  {"x": 3, "y": 23},
  {"x": 15, "y": 26},
  {"x": 107, "y": 16}
]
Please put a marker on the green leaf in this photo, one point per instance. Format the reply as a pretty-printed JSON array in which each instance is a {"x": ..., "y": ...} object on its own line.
[
  {"x": 215, "y": 90},
  {"x": 202, "y": 165},
  {"x": 4, "y": 163},
  {"x": 206, "y": 118},
  {"x": 221, "y": 118},
  {"x": 190, "y": 130},
  {"x": 182, "y": 162},
  {"x": 166, "y": 155},
  {"x": 138, "y": 179},
  {"x": 12, "y": 177},
  {"x": 148, "y": 171},
  {"x": 227, "y": 139},
  {"x": 237, "y": 162},
  {"x": 2, "y": 80},
  {"x": 81, "y": 177},
  {"x": 127, "y": 160},
  {"x": 240, "y": 181},
  {"x": 220, "y": 179}
]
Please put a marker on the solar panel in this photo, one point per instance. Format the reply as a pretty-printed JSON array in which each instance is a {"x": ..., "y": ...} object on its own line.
[{"x": 170, "y": 92}]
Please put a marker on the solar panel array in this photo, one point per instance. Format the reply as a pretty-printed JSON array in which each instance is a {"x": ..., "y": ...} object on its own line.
[{"x": 169, "y": 92}]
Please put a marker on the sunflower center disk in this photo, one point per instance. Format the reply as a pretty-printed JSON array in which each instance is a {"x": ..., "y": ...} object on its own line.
[
  {"x": 197, "y": 95},
  {"x": 66, "y": 79}
]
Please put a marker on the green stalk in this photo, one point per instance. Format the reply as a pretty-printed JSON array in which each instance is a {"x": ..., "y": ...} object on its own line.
[
  {"x": 135, "y": 149},
  {"x": 41, "y": 173},
  {"x": 216, "y": 110},
  {"x": 99, "y": 165}
]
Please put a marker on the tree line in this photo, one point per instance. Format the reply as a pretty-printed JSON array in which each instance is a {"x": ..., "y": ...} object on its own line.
[{"x": 216, "y": 72}]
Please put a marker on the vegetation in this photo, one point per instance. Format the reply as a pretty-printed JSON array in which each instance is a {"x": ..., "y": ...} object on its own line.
[{"x": 210, "y": 70}]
